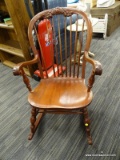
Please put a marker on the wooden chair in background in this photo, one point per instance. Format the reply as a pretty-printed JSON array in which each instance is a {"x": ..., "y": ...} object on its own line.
[{"x": 67, "y": 91}]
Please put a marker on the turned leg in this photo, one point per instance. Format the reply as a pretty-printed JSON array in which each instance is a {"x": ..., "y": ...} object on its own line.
[
  {"x": 35, "y": 121},
  {"x": 32, "y": 120},
  {"x": 87, "y": 123}
]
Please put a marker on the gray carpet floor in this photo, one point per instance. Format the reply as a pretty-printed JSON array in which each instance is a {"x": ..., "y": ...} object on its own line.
[{"x": 62, "y": 137}]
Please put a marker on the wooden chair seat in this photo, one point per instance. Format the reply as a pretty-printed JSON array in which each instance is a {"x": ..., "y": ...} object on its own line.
[{"x": 60, "y": 93}]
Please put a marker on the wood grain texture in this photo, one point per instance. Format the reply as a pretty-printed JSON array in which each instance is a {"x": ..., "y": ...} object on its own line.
[
  {"x": 18, "y": 32},
  {"x": 64, "y": 93}
]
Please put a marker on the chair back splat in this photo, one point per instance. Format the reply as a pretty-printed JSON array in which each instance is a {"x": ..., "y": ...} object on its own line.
[{"x": 60, "y": 40}]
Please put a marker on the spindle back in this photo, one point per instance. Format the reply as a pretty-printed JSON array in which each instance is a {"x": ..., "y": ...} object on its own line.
[{"x": 60, "y": 36}]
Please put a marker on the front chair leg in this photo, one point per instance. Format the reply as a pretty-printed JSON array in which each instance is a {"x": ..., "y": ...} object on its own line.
[
  {"x": 36, "y": 116},
  {"x": 32, "y": 120},
  {"x": 87, "y": 123}
]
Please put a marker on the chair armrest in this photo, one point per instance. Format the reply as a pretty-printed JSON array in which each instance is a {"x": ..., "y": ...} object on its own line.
[
  {"x": 97, "y": 67},
  {"x": 97, "y": 70},
  {"x": 18, "y": 70}
]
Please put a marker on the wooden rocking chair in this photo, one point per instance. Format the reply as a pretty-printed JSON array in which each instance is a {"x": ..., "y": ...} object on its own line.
[{"x": 68, "y": 90}]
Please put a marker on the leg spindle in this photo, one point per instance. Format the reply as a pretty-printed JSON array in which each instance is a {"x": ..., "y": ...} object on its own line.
[
  {"x": 32, "y": 120},
  {"x": 87, "y": 123}
]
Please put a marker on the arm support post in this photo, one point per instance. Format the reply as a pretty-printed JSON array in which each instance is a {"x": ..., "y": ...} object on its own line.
[
  {"x": 97, "y": 70},
  {"x": 18, "y": 70}
]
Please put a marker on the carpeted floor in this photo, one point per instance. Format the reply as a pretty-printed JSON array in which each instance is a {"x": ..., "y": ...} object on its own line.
[{"x": 62, "y": 137}]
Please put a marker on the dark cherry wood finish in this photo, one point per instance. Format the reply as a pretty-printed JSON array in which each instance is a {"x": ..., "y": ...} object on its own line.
[{"x": 68, "y": 92}]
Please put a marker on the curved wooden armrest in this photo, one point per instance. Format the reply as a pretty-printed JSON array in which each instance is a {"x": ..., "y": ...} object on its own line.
[
  {"x": 17, "y": 70},
  {"x": 97, "y": 67},
  {"x": 97, "y": 70}
]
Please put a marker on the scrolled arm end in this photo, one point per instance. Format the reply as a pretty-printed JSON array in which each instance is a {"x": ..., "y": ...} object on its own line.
[
  {"x": 98, "y": 68},
  {"x": 16, "y": 70}
]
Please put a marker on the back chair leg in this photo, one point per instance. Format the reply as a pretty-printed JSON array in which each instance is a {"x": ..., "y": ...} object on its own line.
[
  {"x": 87, "y": 124},
  {"x": 35, "y": 120}
]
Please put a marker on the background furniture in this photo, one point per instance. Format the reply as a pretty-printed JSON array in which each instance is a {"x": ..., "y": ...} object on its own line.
[
  {"x": 70, "y": 91},
  {"x": 113, "y": 16},
  {"x": 92, "y": 2},
  {"x": 14, "y": 44},
  {"x": 101, "y": 26},
  {"x": 105, "y": 3}
]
